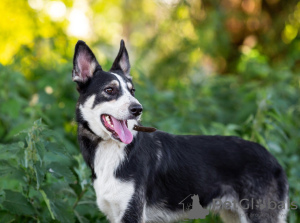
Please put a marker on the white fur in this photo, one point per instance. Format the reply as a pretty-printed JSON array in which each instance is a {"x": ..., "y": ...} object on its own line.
[
  {"x": 92, "y": 116},
  {"x": 159, "y": 156},
  {"x": 283, "y": 212},
  {"x": 113, "y": 195},
  {"x": 158, "y": 213},
  {"x": 114, "y": 82},
  {"x": 129, "y": 85},
  {"x": 232, "y": 215}
]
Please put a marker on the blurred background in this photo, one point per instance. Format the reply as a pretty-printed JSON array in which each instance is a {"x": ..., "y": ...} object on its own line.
[{"x": 226, "y": 67}]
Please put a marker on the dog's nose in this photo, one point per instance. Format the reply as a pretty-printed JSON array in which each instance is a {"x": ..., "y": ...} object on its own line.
[{"x": 135, "y": 109}]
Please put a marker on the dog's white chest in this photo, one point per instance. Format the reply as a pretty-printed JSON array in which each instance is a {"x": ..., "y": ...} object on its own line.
[{"x": 113, "y": 195}]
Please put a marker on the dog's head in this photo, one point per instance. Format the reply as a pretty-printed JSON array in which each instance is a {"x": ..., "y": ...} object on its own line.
[{"x": 106, "y": 102}]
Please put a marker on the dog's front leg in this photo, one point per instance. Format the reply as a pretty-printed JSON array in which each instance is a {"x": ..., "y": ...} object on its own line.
[{"x": 135, "y": 209}]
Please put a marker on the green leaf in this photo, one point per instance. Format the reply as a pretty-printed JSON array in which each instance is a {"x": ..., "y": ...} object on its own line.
[
  {"x": 2, "y": 196},
  {"x": 6, "y": 217},
  {"x": 87, "y": 206},
  {"x": 62, "y": 212},
  {"x": 54, "y": 189},
  {"x": 40, "y": 148},
  {"x": 59, "y": 170},
  {"x": 6, "y": 169},
  {"x": 47, "y": 201},
  {"x": 274, "y": 147},
  {"x": 80, "y": 218},
  {"x": 16, "y": 203},
  {"x": 9, "y": 151},
  {"x": 56, "y": 148},
  {"x": 39, "y": 173},
  {"x": 38, "y": 122},
  {"x": 49, "y": 133}
]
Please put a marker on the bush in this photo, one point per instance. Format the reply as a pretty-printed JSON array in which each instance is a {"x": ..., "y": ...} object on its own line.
[{"x": 42, "y": 182}]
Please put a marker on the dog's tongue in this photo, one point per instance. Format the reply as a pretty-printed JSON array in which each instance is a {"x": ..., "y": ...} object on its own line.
[{"x": 122, "y": 130}]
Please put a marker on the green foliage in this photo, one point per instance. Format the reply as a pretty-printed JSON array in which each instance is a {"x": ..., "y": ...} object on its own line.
[
  {"x": 199, "y": 67},
  {"x": 42, "y": 182}
]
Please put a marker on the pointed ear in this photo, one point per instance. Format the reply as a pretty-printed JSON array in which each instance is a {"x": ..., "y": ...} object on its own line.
[
  {"x": 121, "y": 62},
  {"x": 84, "y": 63}
]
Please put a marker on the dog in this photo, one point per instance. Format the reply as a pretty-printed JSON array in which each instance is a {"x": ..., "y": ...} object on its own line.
[{"x": 142, "y": 177}]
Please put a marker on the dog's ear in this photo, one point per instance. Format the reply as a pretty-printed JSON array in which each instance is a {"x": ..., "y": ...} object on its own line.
[
  {"x": 84, "y": 63},
  {"x": 121, "y": 62}
]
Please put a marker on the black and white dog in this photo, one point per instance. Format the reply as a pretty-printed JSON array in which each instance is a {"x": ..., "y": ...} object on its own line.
[{"x": 142, "y": 177}]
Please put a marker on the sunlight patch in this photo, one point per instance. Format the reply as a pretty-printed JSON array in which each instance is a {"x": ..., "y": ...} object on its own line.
[
  {"x": 56, "y": 10},
  {"x": 79, "y": 24}
]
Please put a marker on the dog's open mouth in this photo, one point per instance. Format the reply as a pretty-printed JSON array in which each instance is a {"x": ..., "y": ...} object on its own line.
[{"x": 118, "y": 128}]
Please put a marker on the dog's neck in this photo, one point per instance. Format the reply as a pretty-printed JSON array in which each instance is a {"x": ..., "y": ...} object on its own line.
[
  {"x": 91, "y": 144},
  {"x": 111, "y": 144}
]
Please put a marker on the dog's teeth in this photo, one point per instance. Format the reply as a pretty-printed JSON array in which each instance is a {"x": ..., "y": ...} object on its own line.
[{"x": 108, "y": 120}]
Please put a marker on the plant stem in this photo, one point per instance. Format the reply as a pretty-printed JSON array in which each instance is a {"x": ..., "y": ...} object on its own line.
[{"x": 79, "y": 197}]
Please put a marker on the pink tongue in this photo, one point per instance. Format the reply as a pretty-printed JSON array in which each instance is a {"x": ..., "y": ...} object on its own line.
[{"x": 122, "y": 130}]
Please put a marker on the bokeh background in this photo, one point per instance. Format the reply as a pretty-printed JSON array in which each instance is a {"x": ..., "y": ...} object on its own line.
[{"x": 226, "y": 67}]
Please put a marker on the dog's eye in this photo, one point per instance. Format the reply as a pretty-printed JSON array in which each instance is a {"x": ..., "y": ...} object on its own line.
[
  {"x": 132, "y": 91},
  {"x": 109, "y": 90}
]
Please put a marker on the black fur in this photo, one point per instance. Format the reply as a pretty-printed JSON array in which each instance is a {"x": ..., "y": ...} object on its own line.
[{"x": 209, "y": 166}]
